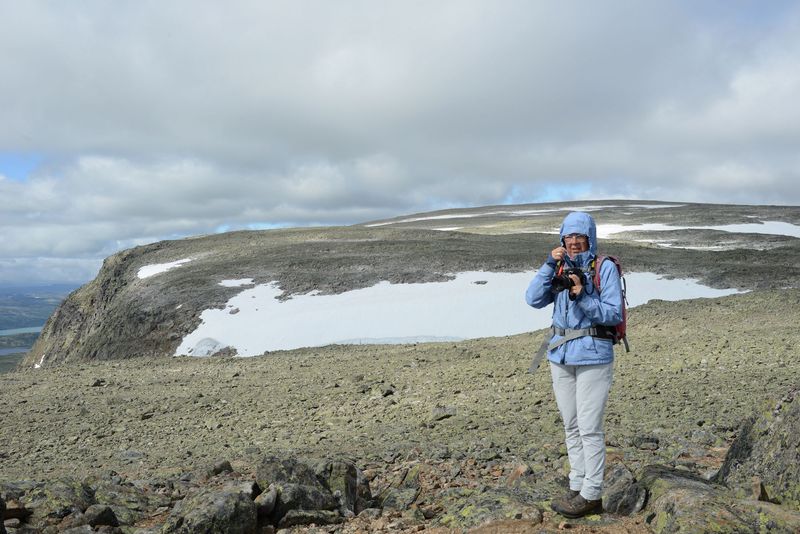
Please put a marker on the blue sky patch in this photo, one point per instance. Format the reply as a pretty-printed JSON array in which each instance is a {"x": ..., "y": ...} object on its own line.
[{"x": 19, "y": 165}]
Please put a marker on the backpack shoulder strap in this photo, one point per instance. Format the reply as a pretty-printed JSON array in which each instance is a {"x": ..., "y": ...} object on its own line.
[{"x": 598, "y": 262}]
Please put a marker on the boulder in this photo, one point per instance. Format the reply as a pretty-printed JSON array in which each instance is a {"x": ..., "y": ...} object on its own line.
[
  {"x": 128, "y": 503},
  {"x": 302, "y": 497},
  {"x": 763, "y": 462},
  {"x": 226, "y": 511},
  {"x": 52, "y": 501},
  {"x": 289, "y": 470},
  {"x": 680, "y": 501},
  {"x": 403, "y": 491},
  {"x": 622, "y": 494},
  {"x": 313, "y": 485}
]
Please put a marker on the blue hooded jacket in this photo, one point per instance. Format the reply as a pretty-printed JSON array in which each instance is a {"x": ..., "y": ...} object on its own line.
[{"x": 591, "y": 307}]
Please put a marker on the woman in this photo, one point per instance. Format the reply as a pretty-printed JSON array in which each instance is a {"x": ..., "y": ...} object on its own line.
[{"x": 581, "y": 353}]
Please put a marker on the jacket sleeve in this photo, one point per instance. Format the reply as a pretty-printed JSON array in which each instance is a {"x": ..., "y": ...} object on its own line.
[
  {"x": 606, "y": 310},
  {"x": 539, "y": 293}
]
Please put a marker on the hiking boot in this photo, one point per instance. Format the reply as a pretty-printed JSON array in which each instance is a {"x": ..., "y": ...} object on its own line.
[
  {"x": 579, "y": 507},
  {"x": 561, "y": 502}
]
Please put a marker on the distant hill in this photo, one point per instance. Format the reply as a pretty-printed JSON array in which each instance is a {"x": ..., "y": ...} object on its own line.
[
  {"x": 124, "y": 314},
  {"x": 22, "y": 307}
]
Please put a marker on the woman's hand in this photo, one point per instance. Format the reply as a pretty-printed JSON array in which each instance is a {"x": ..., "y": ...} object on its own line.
[
  {"x": 559, "y": 253},
  {"x": 576, "y": 289}
]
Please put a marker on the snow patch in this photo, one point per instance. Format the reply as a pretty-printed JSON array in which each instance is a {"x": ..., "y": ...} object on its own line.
[
  {"x": 237, "y": 283},
  {"x": 41, "y": 361},
  {"x": 151, "y": 270},
  {"x": 458, "y": 309},
  {"x": 763, "y": 227}
]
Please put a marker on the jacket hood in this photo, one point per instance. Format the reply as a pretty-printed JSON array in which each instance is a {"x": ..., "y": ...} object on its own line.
[{"x": 579, "y": 222}]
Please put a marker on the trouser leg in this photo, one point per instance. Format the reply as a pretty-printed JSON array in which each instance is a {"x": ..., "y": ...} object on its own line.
[
  {"x": 564, "y": 387},
  {"x": 592, "y": 384}
]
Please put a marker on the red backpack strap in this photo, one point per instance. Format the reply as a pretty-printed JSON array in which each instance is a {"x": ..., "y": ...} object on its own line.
[{"x": 598, "y": 261}]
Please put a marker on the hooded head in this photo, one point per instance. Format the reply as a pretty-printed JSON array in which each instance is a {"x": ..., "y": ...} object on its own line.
[{"x": 578, "y": 222}]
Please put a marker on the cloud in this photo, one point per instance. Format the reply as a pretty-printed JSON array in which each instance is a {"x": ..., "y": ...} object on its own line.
[{"x": 161, "y": 119}]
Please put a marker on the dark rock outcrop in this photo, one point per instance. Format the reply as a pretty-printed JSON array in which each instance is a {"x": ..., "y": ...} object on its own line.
[
  {"x": 622, "y": 494},
  {"x": 336, "y": 486},
  {"x": 226, "y": 511},
  {"x": 764, "y": 461},
  {"x": 680, "y": 501}
]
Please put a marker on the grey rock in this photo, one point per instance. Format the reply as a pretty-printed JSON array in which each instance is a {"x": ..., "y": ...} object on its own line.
[
  {"x": 621, "y": 494},
  {"x": 443, "y": 412},
  {"x": 646, "y": 442},
  {"x": 100, "y": 514},
  {"x": 302, "y": 497},
  {"x": 213, "y": 512},
  {"x": 274, "y": 470},
  {"x": 265, "y": 502},
  {"x": 223, "y": 466},
  {"x": 767, "y": 448},
  {"x": 306, "y": 517},
  {"x": 128, "y": 502},
  {"x": 463, "y": 509},
  {"x": 680, "y": 501},
  {"x": 399, "y": 498},
  {"x": 54, "y": 500}
]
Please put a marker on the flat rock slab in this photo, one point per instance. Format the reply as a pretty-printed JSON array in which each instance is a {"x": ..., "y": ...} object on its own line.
[{"x": 683, "y": 502}]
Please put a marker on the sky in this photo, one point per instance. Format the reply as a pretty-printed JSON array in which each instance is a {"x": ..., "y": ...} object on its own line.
[{"x": 133, "y": 121}]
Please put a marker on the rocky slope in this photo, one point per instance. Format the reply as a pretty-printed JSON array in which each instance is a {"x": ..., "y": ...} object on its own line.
[
  {"x": 120, "y": 316},
  {"x": 464, "y": 416}
]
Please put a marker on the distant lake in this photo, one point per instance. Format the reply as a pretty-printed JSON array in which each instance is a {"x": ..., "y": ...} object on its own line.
[
  {"x": 14, "y": 350},
  {"x": 29, "y": 330}
]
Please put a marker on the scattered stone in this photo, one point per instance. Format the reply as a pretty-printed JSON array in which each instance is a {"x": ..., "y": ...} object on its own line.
[
  {"x": 223, "y": 466},
  {"x": 443, "y": 412},
  {"x": 647, "y": 443}
]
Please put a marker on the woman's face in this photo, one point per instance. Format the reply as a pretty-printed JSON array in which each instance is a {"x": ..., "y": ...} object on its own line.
[{"x": 575, "y": 244}]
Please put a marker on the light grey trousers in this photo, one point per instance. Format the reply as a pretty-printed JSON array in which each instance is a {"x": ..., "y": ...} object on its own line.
[{"x": 581, "y": 393}]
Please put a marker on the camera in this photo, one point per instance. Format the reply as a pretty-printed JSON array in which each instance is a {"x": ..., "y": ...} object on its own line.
[{"x": 563, "y": 281}]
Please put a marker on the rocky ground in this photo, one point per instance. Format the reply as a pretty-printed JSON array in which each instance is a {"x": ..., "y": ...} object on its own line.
[{"x": 465, "y": 415}]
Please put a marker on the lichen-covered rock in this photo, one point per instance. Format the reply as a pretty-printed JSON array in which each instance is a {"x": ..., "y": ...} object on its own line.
[
  {"x": 768, "y": 448},
  {"x": 306, "y": 517},
  {"x": 289, "y": 470},
  {"x": 50, "y": 502},
  {"x": 302, "y": 497},
  {"x": 128, "y": 503},
  {"x": 224, "y": 511},
  {"x": 313, "y": 485},
  {"x": 622, "y": 494},
  {"x": 465, "y": 508},
  {"x": 680, "y": 501},
  {"x": 403, "y": 491},
  {"x": 347, "y": 483}
]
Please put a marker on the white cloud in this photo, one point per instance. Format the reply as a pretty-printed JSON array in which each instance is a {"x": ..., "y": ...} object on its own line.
[{"x": 158, "y": 119}]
